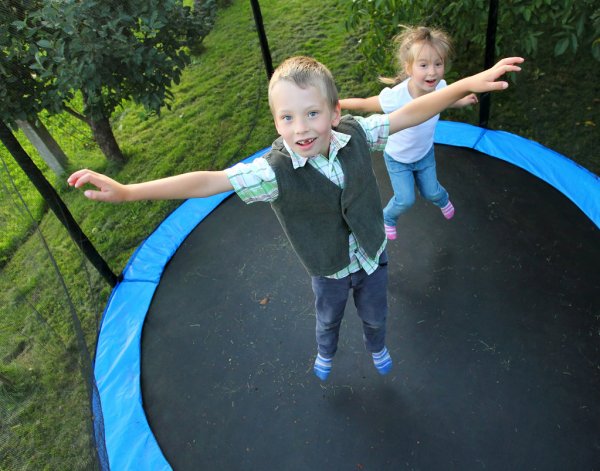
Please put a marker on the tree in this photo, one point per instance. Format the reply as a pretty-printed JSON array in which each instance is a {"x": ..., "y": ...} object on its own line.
[
  {"x": 22, "y": 97},
  {"x": 107, "y": 51}
]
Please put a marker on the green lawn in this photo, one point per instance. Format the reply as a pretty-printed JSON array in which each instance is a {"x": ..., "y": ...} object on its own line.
[{"x": 220, "y": 114}]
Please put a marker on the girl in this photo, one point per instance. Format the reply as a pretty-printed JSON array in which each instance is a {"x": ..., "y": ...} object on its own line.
[{"x": 422, "y": 55}]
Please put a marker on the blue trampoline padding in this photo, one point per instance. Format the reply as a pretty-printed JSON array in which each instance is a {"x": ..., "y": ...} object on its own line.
[
  {"x": 130, "y": 443},
  {"x": 578, "y": 184}
]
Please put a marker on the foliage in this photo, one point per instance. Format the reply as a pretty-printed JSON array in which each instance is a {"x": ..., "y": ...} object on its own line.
[
  {"x": 108, "y": 51},
  {"x": 22, "y": 95},
  {"x": 577, "y": 24},
  {"x": 112, "y": 51}
]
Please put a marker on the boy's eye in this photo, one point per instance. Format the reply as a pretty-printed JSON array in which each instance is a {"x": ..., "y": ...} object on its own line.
[
  {"x": 312, "y": 114},
  {"x": 286, "y": 117}
]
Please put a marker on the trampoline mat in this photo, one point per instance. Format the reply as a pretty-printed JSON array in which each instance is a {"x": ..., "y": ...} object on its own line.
[{"x": 493, "y": 326}]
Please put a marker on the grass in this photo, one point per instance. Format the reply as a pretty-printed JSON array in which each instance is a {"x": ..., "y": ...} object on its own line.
[{"x": 219, "y": 115}]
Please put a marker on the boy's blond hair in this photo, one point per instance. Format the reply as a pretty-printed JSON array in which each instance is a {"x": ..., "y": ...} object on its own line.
[
  {"x": 304, "y": 72},
  {"x": 420, "y": 36}
]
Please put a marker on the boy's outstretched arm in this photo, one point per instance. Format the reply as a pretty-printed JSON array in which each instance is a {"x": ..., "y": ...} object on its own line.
[
  {"x": 366, "y": 105},
  {"x": 423, "y": 108},
  {"x": 186, "y": 185}
]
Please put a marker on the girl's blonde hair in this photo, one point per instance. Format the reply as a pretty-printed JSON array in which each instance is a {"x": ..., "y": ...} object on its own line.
[{"x": 406, "y": 54}]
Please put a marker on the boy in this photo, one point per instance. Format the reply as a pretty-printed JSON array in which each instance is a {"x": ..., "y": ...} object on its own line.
[{"x": 319, "y": 181}]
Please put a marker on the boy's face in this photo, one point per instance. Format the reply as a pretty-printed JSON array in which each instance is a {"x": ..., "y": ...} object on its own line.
[{"x": 304, "y": 118}]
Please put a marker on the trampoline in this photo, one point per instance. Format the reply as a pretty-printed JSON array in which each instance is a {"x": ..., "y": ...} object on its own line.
[{"x": 204, "y": 359}]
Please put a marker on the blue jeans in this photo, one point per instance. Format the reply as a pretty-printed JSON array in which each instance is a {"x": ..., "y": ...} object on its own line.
[
  {"x": 370, "y": 299},
  {"x": 403, "y": 178}
]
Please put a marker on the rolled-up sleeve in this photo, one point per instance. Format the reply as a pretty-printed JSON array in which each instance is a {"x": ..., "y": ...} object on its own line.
[
  {"x": 254, "y": 182},
  {"x": 377, "y": 129}
]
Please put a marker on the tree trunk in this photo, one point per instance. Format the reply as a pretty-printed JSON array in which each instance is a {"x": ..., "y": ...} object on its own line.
[
  {"x": 104, "y": 137},
  {"x": 45, "y": 144}
]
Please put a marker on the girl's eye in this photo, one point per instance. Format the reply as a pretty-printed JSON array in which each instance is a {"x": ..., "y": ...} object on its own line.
[
  {"x": 312, "y": 114},
  {"x": 286, "y": 117}
]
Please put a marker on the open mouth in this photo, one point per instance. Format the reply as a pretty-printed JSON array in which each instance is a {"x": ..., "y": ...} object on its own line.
[{"x": 306, "y": 142}]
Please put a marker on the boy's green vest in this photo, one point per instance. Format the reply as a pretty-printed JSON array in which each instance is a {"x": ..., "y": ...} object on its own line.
[{"x": 318, "y": 216}]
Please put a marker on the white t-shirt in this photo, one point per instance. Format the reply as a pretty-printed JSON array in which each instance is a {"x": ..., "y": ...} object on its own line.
[{"x": 410, "y": 144}]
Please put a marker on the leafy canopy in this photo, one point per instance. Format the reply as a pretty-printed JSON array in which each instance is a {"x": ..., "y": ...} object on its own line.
[{"x": 110, "y": 51}]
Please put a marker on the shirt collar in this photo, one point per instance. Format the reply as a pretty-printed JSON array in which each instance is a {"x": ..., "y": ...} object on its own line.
[{"x": 338, "y": 140}]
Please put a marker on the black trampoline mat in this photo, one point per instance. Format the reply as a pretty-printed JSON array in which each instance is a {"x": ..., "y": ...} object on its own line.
[{"x": 494, "y": 329}]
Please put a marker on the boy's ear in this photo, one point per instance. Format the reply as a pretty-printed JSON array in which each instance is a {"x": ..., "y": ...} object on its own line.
[{"x": 336, "y": 115}]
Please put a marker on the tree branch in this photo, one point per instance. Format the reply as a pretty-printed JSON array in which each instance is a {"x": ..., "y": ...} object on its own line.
[{"x": 72, "y": 112}]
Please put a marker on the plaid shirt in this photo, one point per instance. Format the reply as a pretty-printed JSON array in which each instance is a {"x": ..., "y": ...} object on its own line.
[{"x": 256, "y": 181}]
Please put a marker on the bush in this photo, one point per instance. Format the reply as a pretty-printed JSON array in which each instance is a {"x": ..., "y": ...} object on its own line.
[{"x": 576, "y": 25}]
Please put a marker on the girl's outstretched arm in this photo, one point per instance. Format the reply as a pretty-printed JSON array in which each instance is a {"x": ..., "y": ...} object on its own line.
[
  {"x": 423, "y": 108},
  {"x": 183, "y": 186},
  {"x": 366, "y": 105}
]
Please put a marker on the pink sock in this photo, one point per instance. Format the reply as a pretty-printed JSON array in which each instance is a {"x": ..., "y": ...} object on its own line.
[
  {"x": 390, "y": 231},
  {"x": 448, "y": 210}
]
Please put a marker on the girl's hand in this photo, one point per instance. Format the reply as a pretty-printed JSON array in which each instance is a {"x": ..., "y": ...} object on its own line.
[
  {"x": 470, "y": 99},
  {"x": 486, "y": 80},
  {"x": 108, "y": 189}
]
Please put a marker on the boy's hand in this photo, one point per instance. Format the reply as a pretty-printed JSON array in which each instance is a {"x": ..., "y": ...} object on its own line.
[
  {"x": 486, "y": 80},
  {"x": 109, "y": 189}
]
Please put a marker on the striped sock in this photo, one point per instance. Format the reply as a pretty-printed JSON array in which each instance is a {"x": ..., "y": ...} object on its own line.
[
  {"x": 448, "y": 210},
  {"x": 322, "y": 367},
  {"x": 382, "y": 361},
  {"x": 390, "y": 231}
]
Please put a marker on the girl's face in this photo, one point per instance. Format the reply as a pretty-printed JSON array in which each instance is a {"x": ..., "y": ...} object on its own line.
[{"x": 426, "y": 71}]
